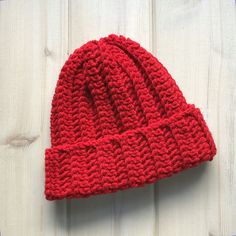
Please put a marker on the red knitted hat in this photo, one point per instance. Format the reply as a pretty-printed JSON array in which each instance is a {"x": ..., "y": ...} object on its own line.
[{"x": 118, "y": 121}]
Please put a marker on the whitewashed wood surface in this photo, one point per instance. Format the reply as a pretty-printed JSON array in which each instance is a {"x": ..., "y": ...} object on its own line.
[{"x": 194, "y": 39}]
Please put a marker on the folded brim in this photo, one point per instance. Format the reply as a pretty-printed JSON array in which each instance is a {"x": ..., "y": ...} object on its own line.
[{"x": 130, "y": 159}]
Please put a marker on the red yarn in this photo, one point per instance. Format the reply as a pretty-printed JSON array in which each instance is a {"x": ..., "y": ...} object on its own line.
[{"x": 118, "y": 121}]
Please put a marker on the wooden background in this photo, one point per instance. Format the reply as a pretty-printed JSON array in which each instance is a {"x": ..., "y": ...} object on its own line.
[{"x": 194, "y": 39}]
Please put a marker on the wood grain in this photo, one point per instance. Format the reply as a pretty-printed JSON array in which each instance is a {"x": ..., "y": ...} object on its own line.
[{"x": 195, "y": 40}]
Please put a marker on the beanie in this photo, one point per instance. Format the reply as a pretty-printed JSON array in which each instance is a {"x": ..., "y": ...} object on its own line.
[{"x": 119, "y": 121}]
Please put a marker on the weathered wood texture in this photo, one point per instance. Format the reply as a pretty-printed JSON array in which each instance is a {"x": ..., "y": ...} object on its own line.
[{"x": 195, "y": 40}]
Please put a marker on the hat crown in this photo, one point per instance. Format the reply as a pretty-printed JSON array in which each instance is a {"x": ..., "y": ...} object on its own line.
[{"x": 109, "y": 86}]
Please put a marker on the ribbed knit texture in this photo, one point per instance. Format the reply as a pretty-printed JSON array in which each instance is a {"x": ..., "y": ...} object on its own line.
[{"x": 118, "y": 121}]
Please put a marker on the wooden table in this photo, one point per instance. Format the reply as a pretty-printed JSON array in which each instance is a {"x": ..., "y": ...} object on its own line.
[{"x": 195, "y": 40}]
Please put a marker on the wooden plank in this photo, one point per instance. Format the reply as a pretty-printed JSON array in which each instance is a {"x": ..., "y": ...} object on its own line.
[
  {"x": 222, "y": 73},
  {"x": 21, "y": 72},
  {"x": 129, "y": 212},
  {"x": 54, "y": 214},
  {"x": 183, "y": 46},
  {"x": 33, "y": 47},
  {"x": 192, "y": 40}
]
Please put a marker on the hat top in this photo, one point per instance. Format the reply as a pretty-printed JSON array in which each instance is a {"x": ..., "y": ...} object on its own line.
[{"x": 108, "y": 87}]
